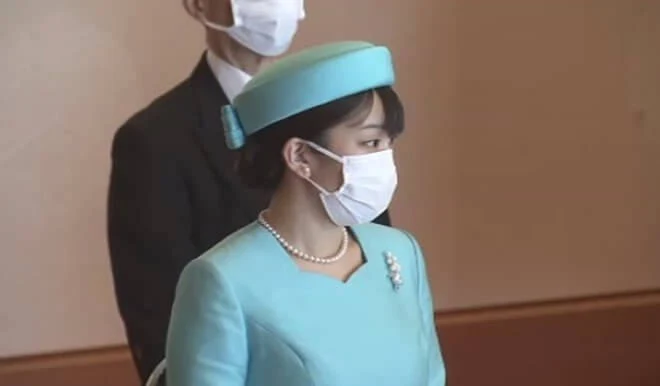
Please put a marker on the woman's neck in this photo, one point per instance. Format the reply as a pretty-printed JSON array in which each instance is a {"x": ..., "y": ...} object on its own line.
[{"x": 302, "y": 221}]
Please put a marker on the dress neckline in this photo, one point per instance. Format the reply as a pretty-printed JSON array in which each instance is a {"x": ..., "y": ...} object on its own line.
[{"x": 291, "y": 266}]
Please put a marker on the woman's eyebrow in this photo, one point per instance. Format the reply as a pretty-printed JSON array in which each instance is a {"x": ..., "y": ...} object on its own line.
[{"x": 372, "y": 126}]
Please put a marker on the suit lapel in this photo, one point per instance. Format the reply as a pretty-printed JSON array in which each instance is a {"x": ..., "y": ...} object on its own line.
[
  {"x": 210, "y": 133},
  {"x": 210, "y": 99}
]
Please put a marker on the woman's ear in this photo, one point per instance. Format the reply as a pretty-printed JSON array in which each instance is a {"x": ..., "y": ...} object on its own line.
[
  {"x": 194, "y": 7},
  {"x": 217, "y": 11},
  {"x": 295, "y": 153}
]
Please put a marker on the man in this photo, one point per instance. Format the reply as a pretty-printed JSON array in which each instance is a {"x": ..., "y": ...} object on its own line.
[{"x": 173, "y": 192}]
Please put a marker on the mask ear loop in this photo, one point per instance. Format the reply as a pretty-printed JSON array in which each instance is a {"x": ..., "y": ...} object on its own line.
[
  {"x": 325, "y": 152},
  {"x": 219, "y": 27},
  {"x": 332, "y": 156},
  {"x": 318, "y": 187},
  {"x": 212, "y": 25}
]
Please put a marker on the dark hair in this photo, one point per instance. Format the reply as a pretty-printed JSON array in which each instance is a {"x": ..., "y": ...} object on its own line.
[{"x": 260, "y": 163}]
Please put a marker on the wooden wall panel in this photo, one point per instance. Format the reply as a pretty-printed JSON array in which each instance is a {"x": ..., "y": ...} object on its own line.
[
  {"x": 611, "y": 341},
  {"x": 605, "y": 341},
  {"x": 103, "y": 367}
]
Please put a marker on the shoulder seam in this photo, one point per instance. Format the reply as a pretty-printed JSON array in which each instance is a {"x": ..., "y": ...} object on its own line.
[{"x": 224, "y": 282}]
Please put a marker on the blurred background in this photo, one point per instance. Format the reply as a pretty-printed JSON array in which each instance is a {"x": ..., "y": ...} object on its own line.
[{"x": 530, "y": 172}]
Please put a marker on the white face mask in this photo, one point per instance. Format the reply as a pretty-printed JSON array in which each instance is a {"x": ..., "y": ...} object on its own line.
[
  {"x": 369, "y": 184},
  {"x": 266, "y": 27}
]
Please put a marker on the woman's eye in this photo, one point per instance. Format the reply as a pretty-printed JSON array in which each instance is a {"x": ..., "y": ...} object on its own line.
[{"x": 372, "y": 143}]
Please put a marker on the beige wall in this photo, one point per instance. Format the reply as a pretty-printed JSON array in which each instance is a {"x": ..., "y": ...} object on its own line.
[
  {"x": 72, "y": 72},
  {"x": 529, "y": 170},
  {"x": 556, "y": 175}
]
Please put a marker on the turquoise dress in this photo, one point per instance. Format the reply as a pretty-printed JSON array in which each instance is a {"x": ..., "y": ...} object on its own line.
[{"x": 245, "y": 314}]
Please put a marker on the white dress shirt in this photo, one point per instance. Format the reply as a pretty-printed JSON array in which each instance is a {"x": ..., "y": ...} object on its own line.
[{"x": 231, "y": 79}]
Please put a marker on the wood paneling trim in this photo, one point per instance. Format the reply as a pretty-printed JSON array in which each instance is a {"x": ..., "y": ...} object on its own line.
[
  {"x": 549, "y": 308},
  {"x": 111, "y": 366},
  {"x": 604, "y": 341}
]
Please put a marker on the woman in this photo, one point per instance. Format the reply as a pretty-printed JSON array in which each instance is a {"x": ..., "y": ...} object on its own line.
[{"x": 312, "y": 293}]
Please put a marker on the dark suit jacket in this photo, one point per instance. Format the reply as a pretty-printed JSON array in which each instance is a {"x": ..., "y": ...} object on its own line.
[{"x": 173, "y": 194}]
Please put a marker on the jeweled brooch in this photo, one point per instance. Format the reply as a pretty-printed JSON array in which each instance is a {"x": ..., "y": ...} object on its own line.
[{"x": 394, "y": 269}]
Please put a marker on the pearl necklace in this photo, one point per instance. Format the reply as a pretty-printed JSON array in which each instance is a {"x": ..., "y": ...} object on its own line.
[{"x": 302, "y": 255}]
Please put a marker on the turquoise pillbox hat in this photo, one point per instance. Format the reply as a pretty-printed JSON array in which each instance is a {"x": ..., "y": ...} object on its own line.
[{"x": 305, "y": 80}]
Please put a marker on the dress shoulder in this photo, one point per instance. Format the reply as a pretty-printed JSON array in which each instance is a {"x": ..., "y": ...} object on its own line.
[
  {"x": 388, "y": 237},
  {"x": 244, "y": 254}
]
